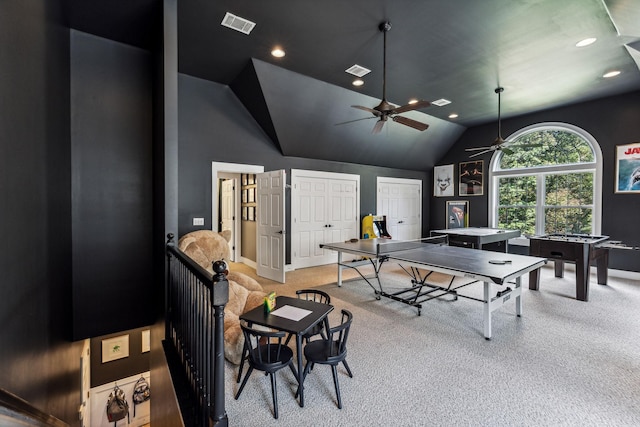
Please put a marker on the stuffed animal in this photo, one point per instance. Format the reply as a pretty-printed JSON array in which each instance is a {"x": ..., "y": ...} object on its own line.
[{"x": 245, "y": 293}]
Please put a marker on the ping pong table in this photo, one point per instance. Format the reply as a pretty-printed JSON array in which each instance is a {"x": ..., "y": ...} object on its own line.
[{"x": 426, "y": 256}]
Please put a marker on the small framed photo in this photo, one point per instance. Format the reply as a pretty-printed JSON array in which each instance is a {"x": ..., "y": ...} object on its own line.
[
  {"x": 245, "y": 195},
  {"x": 115, "y": 348},
  {"x": 252, "y": 195},
  {"x": 244, "y": 179},
  {"x": 628, "y": 168},
  {"x": 245, "y": 213},
  {"x": 443, "y": 184},
  {"x": 457, "y": 214},
  {"x": 251, "y": 179},
  {"x": 146, "y": 340},
  {"x": 251, "y": 214},
  {"x": 470, "y": 182}
]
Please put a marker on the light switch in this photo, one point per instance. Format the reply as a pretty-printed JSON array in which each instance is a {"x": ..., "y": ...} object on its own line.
[{"x": 198, "y": 221}]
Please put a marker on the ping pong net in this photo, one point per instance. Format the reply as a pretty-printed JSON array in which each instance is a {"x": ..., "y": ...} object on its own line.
[{"x": 387, "y": 248}]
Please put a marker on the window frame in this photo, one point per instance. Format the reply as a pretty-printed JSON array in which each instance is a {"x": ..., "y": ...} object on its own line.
[{"x": 495, "y": 173}]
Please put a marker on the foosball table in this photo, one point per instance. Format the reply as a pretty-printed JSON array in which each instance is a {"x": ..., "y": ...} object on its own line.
[{"x": 581, "y": 249}]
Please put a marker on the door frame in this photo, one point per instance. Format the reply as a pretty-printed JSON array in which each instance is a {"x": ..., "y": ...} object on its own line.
[{"x": 231, "y": 168}]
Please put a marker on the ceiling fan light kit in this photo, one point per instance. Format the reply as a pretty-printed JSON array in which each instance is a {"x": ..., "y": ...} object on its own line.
[{"x": 385, "y": 109}]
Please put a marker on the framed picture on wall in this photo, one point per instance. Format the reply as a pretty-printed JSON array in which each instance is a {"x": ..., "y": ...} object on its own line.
[
  {"x": 251, "y": 213},
  {"x": 457, "y": 214},
  {"x": 244, "y": 179},
  {"x": 245, "y": 213},
  {"x": 115, "y": 348},
  {"x": 245, "y": 195},
  {"x": 252, "y": 195},
  {"x": 443, "y": 185},
  {"x": 628, "y": 168},
  {"x": 251, "y": 179},
  {"x": 470, "y": 182}
]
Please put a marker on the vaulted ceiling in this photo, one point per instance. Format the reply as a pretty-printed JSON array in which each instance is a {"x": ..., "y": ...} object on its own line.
[{"x": 459, "y": 50}]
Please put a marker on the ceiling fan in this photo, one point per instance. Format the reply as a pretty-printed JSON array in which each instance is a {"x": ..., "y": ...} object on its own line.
[
  {"x": 385, "y": 111},
  {"x": 499, "y": 144}
]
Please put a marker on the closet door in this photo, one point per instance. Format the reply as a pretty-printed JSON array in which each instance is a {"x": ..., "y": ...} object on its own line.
[
  {"x": 401, "y": 201},
  {"x": 324, "y": 209}
]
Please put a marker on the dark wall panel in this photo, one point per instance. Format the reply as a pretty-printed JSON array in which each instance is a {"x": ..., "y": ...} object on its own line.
[
  {"x": 611, "y": 121},
  {"x": 215, "y": 126},
  {"x": 112, "y": 216},
  {"x": 37, "y": 361}
]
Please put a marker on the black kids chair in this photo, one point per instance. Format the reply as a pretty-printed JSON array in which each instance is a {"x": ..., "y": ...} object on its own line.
[
  {"x": 266, "y": 352},
  {"x": 331, "y": 351},
  {"x": 315, "y": 296}
]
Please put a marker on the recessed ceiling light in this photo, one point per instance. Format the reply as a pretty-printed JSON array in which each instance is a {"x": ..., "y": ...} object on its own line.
[
  {"x": 611, "y": 74},
  {"x": 277, "y": 52},
  {"x": 358, "y": 82},
  {"x": 453, "y": 116},
  {"x": 412, "y": 101},
  {"x": 586, "y": 42}
]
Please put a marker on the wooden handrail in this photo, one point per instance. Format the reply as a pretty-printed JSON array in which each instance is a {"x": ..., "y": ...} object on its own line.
[{"x": 14, "y": 410}]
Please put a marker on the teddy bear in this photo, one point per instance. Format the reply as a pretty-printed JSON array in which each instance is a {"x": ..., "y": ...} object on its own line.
[{"x": 245, "y": 293}]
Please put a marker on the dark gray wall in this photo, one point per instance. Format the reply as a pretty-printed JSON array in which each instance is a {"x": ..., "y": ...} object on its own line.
[
  {"x": 611, "y": 121},
  {"x": 215, "y": 126},
  {"x": 37, "y": 362},
  {"x": 112, "y": 212}
]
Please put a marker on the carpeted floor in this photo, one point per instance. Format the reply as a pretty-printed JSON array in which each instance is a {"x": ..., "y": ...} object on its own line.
[{"x": 563, "y": 363}]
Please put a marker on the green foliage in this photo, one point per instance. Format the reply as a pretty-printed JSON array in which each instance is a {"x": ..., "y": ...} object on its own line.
[
  {"x": 557, "y": 147},
  {"x": 568, "y": 197}
]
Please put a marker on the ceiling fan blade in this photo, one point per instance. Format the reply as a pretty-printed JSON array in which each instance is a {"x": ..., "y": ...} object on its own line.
[
  {"x": 378, "y": 127},
  {"x": 356, "y": 120},
  {"x": 480, "y": 153},
  {"x": 411, "y": 107},
  {"x": 410, "y": 122},
  {"x": 370, "y": 110},
  {"x": 477, "y": 149}
]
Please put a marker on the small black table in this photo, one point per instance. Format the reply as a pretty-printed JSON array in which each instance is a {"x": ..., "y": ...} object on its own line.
[{"x": 319, "y": 313}]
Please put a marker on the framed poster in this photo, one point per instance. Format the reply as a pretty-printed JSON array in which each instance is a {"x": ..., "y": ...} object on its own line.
[
  {"x": 628, "y": 168},
  {"x": 245, "y": 213},
  {"x": 252, "y": 195},
  {"x": 457, "y": 214},
  {"x": 251, "y": 213},
  {"x": 443, "y": 181},
  {"x": 470, "y": 182},
  {"x": 115, "y": 348},
  {"x": 245, "y": 194},
  {"x": 244, "y": 179}
]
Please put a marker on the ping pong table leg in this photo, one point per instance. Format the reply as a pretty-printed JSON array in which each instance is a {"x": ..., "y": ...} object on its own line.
[
  {"x": 339, "y": 268},
  {"x": 487, "y": 311},
  {"x": 518, "y": 298}
]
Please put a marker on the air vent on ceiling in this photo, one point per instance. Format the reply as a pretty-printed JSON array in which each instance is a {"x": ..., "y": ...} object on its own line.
[
  {"x": 358, "y": 70},
  {"x": 440, "y": 102},
  {"x": 237, "y": 23}
]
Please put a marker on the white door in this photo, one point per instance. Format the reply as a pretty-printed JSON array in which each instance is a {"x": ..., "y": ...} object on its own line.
[
  {"x": 325, "y": 208},
  {"x": 401, "y": 201},
  {"x": 271, "y": 225},
  {"x": 227, "y": 212}
]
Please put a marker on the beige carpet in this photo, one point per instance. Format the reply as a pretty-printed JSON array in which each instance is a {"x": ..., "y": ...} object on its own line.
[{"x": 563, "y": 363}]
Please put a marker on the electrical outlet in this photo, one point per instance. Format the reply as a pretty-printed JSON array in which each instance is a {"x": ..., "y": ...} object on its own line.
[{"x": 198, "y": 221}]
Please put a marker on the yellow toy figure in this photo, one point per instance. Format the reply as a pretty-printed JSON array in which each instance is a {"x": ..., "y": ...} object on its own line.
[{"x": 367, "y": 227}]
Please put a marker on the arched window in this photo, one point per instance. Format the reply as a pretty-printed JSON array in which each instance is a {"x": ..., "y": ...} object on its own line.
[{"x": 553, "y": 186}]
